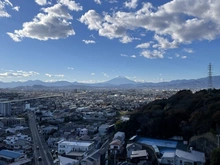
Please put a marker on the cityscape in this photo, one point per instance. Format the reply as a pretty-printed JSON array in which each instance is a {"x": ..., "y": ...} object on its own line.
[
  {"x": 109, "y": 82},
  {"x": 77, "y": 126},
  {"x": 82, "y": 126}
]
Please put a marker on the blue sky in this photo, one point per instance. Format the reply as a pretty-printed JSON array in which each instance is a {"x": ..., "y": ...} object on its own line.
[{"x": 97, "y": 40}]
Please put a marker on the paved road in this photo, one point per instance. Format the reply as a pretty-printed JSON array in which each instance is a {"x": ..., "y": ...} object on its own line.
[{"x": 40, "y": 148}]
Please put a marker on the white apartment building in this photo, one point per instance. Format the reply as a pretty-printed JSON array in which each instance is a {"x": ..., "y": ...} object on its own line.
[
  {"x": 66, "y": 146},
  {"x": 5, "y": 108}
]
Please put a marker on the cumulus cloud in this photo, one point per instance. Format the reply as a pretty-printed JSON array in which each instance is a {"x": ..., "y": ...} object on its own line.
[
  {"x": 92, "y": 19},
  {"x": 163, "y": 43},
  {"x": 89, "y": 41},
  {"x": 18, "y": 74},
  {"x": 98, "y": 1},
  {"x": 174, "y": 23},
  {"x": 133, "y": 56},
  {"x": 144, "y": 45},
  {"x": 183, "y": 57},
  {"x": 72, "y": 5},
  {"x": 131, "y": 4},
  {"x": 152, "y": 54},
  {"x": 70, "y": 68},
  {"x": 53, "y": 23},
  {"x": 93, "y": 74}
]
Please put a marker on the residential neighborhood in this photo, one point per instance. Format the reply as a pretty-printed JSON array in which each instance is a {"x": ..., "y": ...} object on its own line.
[{"x": 78, "y": 128}]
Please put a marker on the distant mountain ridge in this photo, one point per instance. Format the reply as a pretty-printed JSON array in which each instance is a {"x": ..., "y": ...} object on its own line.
[{"x": 118, "y": 82}]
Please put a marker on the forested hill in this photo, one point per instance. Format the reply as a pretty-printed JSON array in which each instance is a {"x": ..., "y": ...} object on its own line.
[{"x": 185, "y": 114}]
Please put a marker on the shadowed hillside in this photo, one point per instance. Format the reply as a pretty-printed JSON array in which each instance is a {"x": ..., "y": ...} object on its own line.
[{"x": 185, "y": 114}]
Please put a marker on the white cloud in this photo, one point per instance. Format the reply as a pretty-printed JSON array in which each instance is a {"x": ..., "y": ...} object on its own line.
[
  {"x": 163, "y": 43},
  {"x": 174, "y": 23},
  {"x": 144, "y": 45},
  {"x": 89, "y": 41},
  {"x": 70, "y": 68},
  {"x": 41, "y": 2},
  {"x": 93, "y": 74},
  {"x": 19, "y": 74},
  {"x": 152, "y": 54},
  {"x": 92, "y": 19},
  {"x": 52, "y": 24},
  {"x": 48, "y": 75},
  {"x": 133, "y": 56},
  {"x": 72, "y": 5},
  {"x": 188, "y": 50},
  {"x": 98, "y": 1},
  {"x": 3, "y": 5},
  {"x": 131, "y": 4},
  {"x": 16, "y": 8},
  {"x": 56, "y": 75},
  {"x": 183, "y": 57}
]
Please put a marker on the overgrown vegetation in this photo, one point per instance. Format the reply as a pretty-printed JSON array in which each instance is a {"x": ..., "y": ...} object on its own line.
[{"x": 185, "y": 114}]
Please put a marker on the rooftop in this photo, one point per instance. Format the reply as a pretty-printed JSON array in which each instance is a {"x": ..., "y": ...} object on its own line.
[
  {"x": 76, "y": 143},
  {"x": 10, "y": 154}
]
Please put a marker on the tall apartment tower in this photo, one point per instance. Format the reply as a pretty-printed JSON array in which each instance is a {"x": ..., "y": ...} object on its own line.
[{"x": 5, "y": 108}]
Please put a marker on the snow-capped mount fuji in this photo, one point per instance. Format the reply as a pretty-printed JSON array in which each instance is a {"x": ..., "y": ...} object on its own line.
[{"x": 120, "y": 80}]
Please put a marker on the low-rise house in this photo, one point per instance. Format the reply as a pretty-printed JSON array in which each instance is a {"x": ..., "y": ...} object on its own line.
[
  {"x": 120, "y": 135},
  {"x": 83, "y": 132},
  {"x": 139, "y": 156},
  {"x": 10, "y": 140},
  {"x": 22, "y": 144},
  {"x": 180, "y": 157},
  {"x": 132, "y": 147},
  {"x": 67, "y": 161},
  {"x": 116, "y": 146},
  {"x": 17, "y": 128},
  {"x": 103, "y": 129},
  {"x": 10, "y": 157},
  {"x": 92, "y": 159},
  {"x": 111, "y": 113},
  {"x": 49, "y": 129},
  {"x": 192, "y": 157},
  {"x": 52, "y": 142}
]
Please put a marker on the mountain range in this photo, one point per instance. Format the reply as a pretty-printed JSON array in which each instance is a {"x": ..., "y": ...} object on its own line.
[{"x": 118, "y": 82}]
